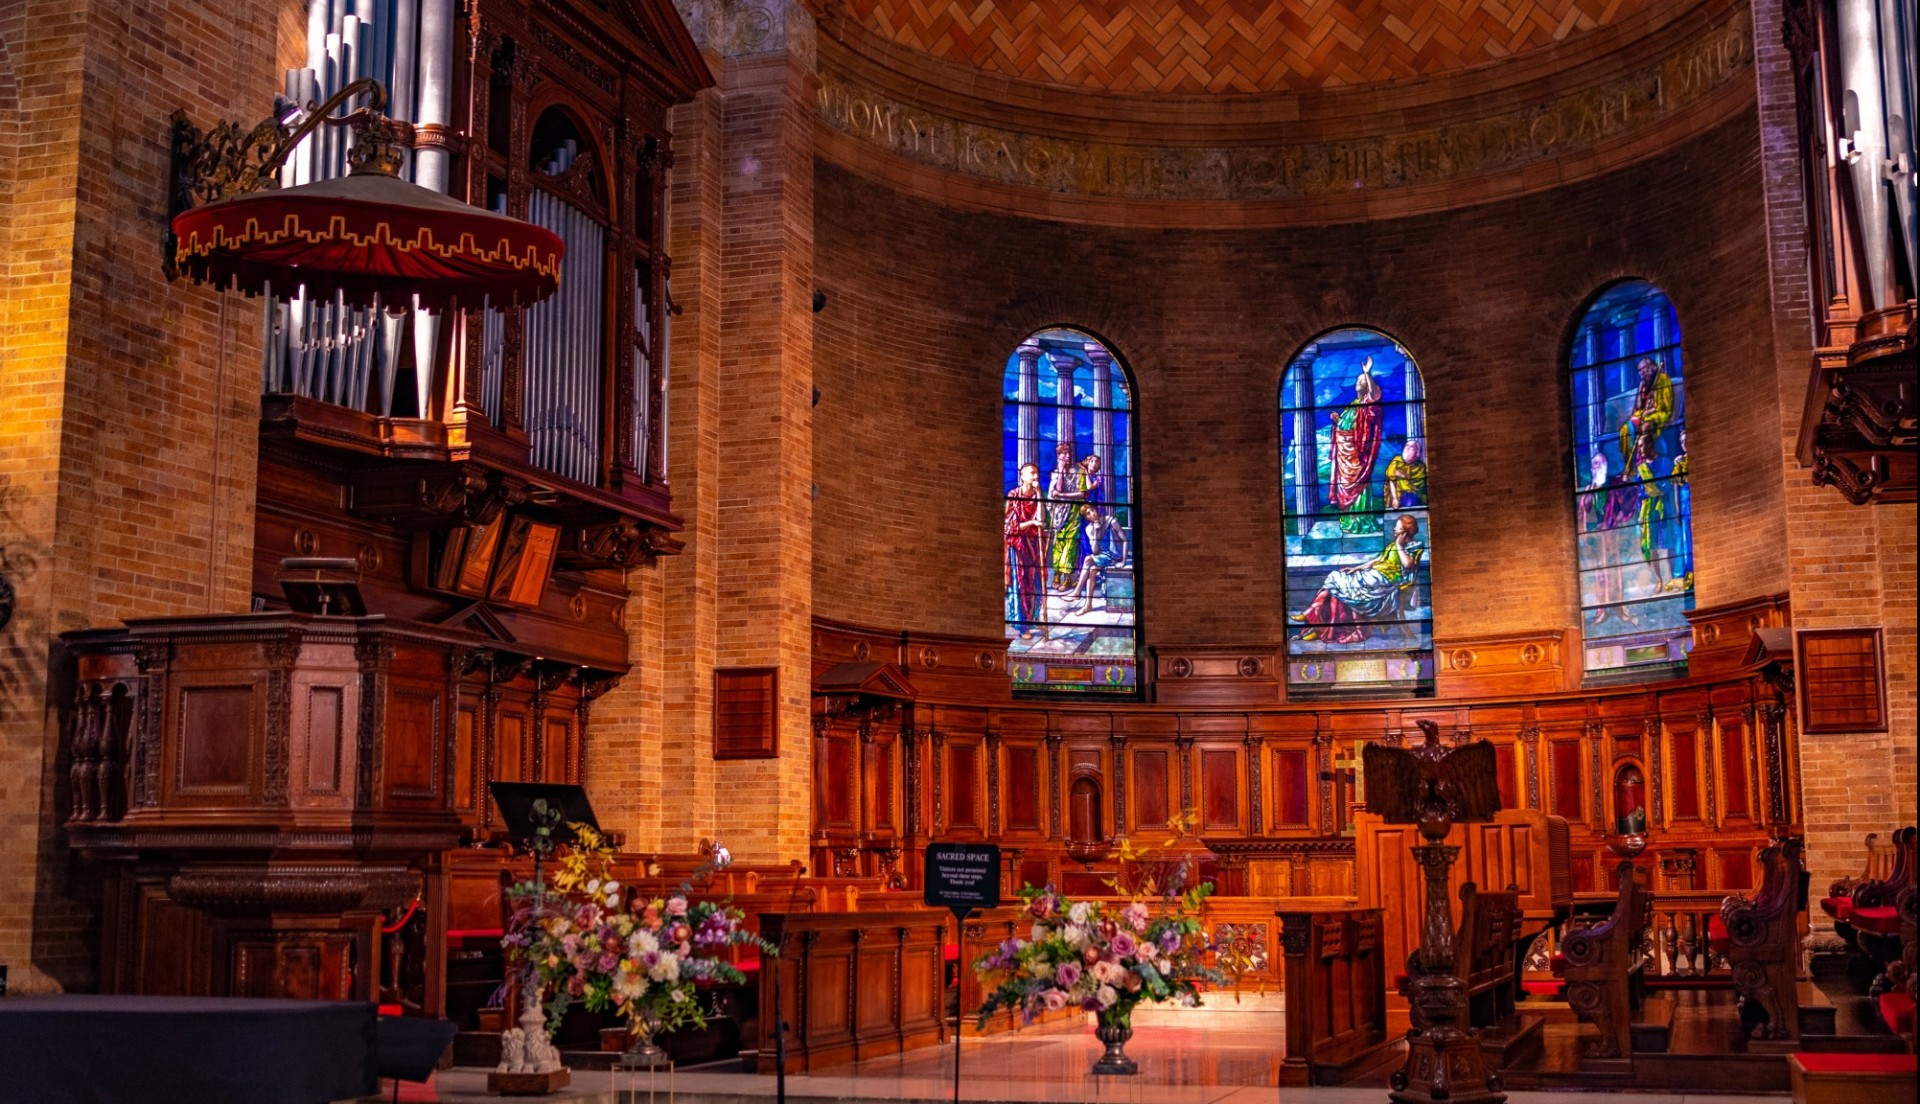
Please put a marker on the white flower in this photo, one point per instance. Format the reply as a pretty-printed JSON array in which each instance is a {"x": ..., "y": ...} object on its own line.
[
  {"x": 666, "y": 969},
  {"x": 1106, "y": 996},
  {"x": 1039, "y": 933},
  {"x": 1043, "y": 969},
  {"x": 642, "y": 942},
  {"x": 679, "y": 996},
  {"x": 630, "y": 984},
  {"x": 1075, "y": 935},
  {"x": 1078, "y": 913},
  {"x": 593, "y": 888}
]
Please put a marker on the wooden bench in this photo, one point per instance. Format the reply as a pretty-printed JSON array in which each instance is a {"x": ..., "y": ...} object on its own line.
[
  {"x": 1604, "y": 965},
  {"x": 1896, "y": 1005},
  {"x": 1852, "y": 1078},
  {"x": 1763, "y": 942},
  {"x": 1876, "y": 917}
]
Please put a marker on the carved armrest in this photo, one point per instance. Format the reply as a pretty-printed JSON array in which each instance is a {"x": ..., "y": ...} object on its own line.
[{"x": 1874, "y": 894}]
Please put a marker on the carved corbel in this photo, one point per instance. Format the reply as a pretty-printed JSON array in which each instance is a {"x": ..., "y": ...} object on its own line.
[{"x": 625, "y": 544}]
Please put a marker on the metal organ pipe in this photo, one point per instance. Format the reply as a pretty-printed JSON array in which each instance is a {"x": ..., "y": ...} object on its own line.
[
  {"x": 1865, "y": 139},
  {"x": 1898, "y": 49}
]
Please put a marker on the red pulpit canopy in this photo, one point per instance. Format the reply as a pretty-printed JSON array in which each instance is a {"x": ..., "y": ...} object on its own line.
[{"x": 367, "y": 235}]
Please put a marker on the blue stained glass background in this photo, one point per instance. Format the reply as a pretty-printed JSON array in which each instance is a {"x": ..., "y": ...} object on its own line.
[
  {"x": 1632, "y": 494},
  {"x": 1354, "y": 625}
]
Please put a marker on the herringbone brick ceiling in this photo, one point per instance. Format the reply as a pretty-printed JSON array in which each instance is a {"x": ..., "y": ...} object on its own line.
[{"x": 1229, "y": 45}]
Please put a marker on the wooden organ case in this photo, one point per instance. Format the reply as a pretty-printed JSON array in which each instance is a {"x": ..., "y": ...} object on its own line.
[
  {"x": 1852, "y": 72},
  {"x": 271, "y": 795}
]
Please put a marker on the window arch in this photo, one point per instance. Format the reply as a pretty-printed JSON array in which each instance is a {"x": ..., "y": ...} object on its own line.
[
  {"x": 1068, "y": 552},
  {"x": 1353, "y": 512},
  {"x": 1633, "y": 508}
]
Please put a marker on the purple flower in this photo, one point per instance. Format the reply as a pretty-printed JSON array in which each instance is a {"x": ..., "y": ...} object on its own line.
[
  {"x": 1068, "y": 974},
  {"x": 1123, "y": 944},
  {"x": 1169, "y": 941}
]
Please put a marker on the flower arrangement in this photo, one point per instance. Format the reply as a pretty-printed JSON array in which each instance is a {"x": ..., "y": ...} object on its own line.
[
  {"x": 585, "y": 938},
  {"x": 1098, "y": 958}
]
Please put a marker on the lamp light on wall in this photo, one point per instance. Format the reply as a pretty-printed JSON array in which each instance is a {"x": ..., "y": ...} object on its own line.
[{"x": 322, "y": 585}]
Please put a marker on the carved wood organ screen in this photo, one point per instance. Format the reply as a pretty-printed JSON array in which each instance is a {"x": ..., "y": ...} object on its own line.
[{"x": 531, "y": 110}]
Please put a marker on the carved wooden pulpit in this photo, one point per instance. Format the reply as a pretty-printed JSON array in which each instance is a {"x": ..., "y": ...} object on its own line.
[{"x": 1435, "y": 787}]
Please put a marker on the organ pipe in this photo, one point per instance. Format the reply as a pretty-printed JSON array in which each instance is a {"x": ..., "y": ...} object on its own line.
[
  {"x": 1864, "y": 140},
  {"x": 358, "y": 358}
]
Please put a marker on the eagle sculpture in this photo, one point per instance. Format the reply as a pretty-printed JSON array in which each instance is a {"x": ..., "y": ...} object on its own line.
[{"x": 1432, "y": 785}]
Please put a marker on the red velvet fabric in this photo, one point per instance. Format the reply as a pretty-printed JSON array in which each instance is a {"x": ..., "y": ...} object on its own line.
[
  {"x": 1837, "y": 907},
  {"x": 1896, "y": 1011},
  {"x": 367, "y": 236},
  {"x": 1880, "y": 921},
  {"x": 1717, "y": 938},
  {"x": 1822, "y": 1062}
]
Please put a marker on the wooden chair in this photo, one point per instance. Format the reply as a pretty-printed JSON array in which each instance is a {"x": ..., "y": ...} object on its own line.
[
  {"x": 1876, "y": 917},
  {"x": 1838, "y": 903},
  {"x": 1763, "y": 940},
  {"x": 1604, "y": 965}
]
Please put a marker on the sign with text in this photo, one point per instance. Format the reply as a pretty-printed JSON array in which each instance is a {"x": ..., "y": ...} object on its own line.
[{"x": 963, "y": 876}]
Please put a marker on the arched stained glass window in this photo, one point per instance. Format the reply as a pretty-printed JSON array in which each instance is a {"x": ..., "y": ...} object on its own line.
[
  {"x": 1067, "y": 474},
  {"x": 1632, "y": 510},
  {"x": 1353, "y": 510}
]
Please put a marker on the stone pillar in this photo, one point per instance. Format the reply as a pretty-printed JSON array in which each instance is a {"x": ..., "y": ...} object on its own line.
[
  {"x": 1101, "y": 362},
  {"x": 1029, "y": 396},
  {"x": 740, "y": 235}
]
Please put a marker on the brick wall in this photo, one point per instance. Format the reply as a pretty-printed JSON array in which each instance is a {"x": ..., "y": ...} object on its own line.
[
  {"x": 120, "y": 512},
  {"x": 928, "y": 302}
]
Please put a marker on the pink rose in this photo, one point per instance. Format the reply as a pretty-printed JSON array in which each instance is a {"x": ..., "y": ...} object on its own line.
[
  {"x": 1123, "y": 944},
  {"x": 676, "y": 906},
  {"x": 1054, "y": 999}
]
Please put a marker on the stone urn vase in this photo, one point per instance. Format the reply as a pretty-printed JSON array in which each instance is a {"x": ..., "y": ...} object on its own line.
[{"x": 1116, "y": 1027}]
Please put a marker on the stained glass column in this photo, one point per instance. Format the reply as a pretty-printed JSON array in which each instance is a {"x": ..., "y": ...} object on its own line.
[
  {"x": 1305, "y": 451},
  {"x": 1063, "y": 413},
  {"x": 1029, "y": 393},
  {"x": 1102, "y": 364}
]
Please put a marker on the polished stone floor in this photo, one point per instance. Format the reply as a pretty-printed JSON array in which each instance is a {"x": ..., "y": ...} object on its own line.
[{"x": 1211, "y": 1064}]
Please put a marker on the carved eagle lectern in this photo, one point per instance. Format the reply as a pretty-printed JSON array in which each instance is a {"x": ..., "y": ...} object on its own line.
[
  {"x": 1431, "y": 783},
  {"x": 1435, "y": 788}
]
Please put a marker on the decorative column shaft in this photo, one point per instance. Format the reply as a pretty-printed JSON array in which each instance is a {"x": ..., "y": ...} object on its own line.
[
  {"x": 1029, "y": 396},
  {"x": 1063, "y": 399},
  {"x": 1101, "y": 363}
]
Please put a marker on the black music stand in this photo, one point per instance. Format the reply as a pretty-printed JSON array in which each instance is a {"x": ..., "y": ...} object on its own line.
[
  {"x": 407, "y": 1048},
  {"x": 539, "y": 816},
  {"x": 1435, "y": 788}
]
